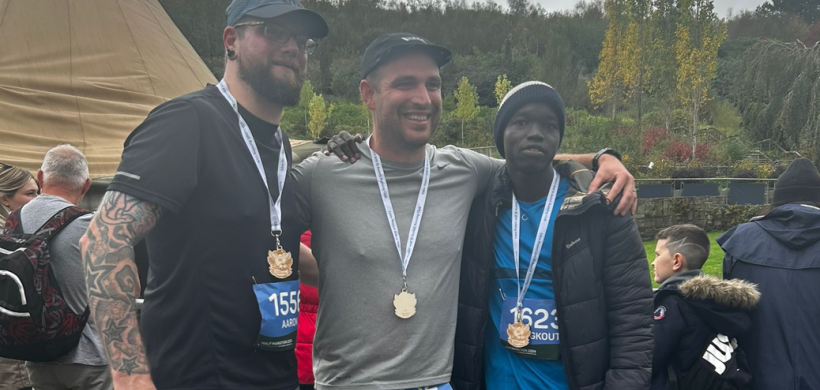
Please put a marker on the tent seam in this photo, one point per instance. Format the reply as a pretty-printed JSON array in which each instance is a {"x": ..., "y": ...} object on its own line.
[
  {"x": 71, "y": 74},
  {"x": 136, "y": 46},
  {"x": 174, "y": 43}
]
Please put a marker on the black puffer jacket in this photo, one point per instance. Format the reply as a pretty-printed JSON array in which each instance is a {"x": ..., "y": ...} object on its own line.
[
  {"x": 601, "y": 283},
  {"x": 690, "y": 308}
]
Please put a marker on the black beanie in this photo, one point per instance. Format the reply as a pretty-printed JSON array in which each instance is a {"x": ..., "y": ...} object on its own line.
[
  {"x": 799, "y": 183},
  {"x": 521, "y": 95}
]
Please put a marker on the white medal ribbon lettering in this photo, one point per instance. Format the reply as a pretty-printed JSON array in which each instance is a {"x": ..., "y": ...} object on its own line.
[
  {"x": 280, "y": 261},
  {"x": 404, "y": 302},
  {"x": 536, "y": 252}
]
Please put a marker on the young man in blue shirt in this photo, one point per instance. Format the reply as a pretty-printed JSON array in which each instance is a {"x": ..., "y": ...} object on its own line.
[{"x": 554, "y": 288}]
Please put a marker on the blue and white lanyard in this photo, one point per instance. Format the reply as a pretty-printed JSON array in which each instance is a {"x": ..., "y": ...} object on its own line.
[
  {"x": 539, "y": 240},
  {"x": 282, "y": 167},
  {"x": 391, "y": 216}
]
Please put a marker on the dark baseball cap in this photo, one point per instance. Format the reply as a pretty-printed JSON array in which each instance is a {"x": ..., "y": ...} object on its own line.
[
  {"x": 388, "y": 45},
  {"x": 314, "y": 24}
]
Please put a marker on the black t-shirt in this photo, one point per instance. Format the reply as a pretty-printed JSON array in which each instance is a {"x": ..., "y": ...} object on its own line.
[{"x": 201, "y": 320}]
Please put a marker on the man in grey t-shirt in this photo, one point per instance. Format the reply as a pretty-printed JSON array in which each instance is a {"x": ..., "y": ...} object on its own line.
[
  {"x": 64, "y": 178},
  {"x": 373, "y": 330}
]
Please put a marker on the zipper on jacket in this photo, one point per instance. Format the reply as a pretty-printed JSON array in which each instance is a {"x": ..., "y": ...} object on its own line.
[{"x": 556, "y": 283}]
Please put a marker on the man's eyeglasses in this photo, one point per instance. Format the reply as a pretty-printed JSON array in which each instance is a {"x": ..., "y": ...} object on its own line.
[{"x": 281, "y": 35}]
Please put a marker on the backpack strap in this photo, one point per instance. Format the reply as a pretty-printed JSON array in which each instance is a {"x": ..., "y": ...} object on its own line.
[
  {"x": 13, "y": 225},
  {"x": 58, "y": 221}
]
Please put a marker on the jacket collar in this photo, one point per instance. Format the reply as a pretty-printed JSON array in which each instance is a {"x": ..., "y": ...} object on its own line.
[
  {"x": 673, "y": 282},
  {"x": 576, "y": 200}
]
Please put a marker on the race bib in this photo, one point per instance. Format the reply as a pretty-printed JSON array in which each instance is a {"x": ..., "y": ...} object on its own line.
[
  {"x": 541, "y": 316},
  {"x": 279, "y": 306}
]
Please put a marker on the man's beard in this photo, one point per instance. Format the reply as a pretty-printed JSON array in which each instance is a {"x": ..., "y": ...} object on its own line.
[{"x": 274, "y": 89}]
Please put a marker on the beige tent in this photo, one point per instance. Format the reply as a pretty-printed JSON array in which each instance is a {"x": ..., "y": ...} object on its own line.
[{"x": 86, "y": 72}]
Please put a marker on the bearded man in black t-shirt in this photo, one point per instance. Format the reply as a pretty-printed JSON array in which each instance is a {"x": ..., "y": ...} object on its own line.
[{"x": 222, "y": 291}]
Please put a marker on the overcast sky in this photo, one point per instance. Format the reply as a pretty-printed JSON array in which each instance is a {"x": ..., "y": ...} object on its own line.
[{"x": 721, "y": 6}]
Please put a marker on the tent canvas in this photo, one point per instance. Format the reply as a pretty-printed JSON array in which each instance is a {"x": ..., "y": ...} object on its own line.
[{"x": 87, "y": 72}]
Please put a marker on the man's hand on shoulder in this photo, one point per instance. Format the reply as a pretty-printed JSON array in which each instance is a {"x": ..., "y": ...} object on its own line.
[
  {"x": 344, "y": 145},
  {"x": 610, "y": 169}
]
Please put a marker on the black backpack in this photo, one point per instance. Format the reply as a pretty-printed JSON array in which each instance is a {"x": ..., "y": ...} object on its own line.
[
  {"x": 722, "y": 366},
  {"x": 36, "y": 324}
]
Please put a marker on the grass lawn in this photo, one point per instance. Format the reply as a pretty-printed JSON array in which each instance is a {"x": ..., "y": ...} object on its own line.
[{"x": 713, "y": 266}]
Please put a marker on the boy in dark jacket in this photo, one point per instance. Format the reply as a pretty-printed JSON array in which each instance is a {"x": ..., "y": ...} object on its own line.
[
  {"x": 554, "y": 293},
  {"x": 690, "y": 310}
]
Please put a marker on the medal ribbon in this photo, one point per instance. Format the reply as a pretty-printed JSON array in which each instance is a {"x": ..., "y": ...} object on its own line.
[
  {"x": 275, "y": 205},
  {"x": 391, "y": 216},
  {"x": 539, "y": 239}
]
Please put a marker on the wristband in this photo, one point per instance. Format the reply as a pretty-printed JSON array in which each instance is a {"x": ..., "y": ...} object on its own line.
[{"x": 602, "y": 152}]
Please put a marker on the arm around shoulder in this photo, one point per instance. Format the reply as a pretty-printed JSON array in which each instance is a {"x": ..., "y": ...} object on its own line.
[
  {"x": 629, "y": 306},
  {"x": 484, "y": 166}
]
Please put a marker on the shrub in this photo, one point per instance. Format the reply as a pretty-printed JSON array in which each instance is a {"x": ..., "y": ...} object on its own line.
[
  {"x": 723, "y": 115},
  {"x": 731, "y": 152},
  {"x": 778, "y": 170},
  {"x": 693, "y": 173},
  {"x": 678, "y": 151},
  {"x": 651, "y": 137},
  {"x": 703, "y": 152},
  {"x": 745, "y": 174}
]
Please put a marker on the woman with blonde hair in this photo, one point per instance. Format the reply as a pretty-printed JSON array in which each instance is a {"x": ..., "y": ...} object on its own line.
[{"x": 17, "y": 187}]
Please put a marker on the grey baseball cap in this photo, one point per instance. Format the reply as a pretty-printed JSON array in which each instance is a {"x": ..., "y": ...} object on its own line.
[{"x": 314, "y": 24}]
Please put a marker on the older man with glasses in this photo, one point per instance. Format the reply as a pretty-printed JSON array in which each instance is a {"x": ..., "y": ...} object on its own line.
[{"x": 205, "y": 180}]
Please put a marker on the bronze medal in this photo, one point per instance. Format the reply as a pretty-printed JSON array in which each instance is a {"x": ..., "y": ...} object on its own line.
[
  {"x": 281, "y": 263},
  {"x": 405, "y": 304},
  {"x": 518, "y": 334}
]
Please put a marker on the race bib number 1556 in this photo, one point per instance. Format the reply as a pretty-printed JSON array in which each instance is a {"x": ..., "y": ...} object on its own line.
[{"x": 279, "y": 306}]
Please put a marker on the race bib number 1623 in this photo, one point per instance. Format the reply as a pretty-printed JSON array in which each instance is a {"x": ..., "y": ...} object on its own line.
[{"x": 542, "y": 317}]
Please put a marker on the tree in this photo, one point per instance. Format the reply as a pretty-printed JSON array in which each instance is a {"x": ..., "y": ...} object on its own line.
[
  {"x": 306, "y": 97},
  {"x": 319, "y": 115},
  {"x": 699, "y": 34},
  {"x": 466, "y": 103},
  {"x": 609, "y": 82},
  {"x": 662, "y": 82},
  {"x": 809, "y": 10},
  {"x": 502, "y": 86},
  {"x": 638, "y": 33},
  {"x": 777, "y": 90}
]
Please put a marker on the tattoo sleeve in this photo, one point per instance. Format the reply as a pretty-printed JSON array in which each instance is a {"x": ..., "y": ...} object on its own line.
[{"x": 111, "y": 277}]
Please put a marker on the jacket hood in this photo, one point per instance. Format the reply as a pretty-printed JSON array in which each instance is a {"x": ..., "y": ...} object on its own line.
[
  {"x": 734, "y": 293},
  {"x": 780, "y": 238},
  {"x": 723, "y": 304},
  {"x": 795, "y": 226}
]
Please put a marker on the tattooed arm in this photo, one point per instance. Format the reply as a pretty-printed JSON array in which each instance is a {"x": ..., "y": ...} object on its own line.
[{"x": 113, "y": 286}]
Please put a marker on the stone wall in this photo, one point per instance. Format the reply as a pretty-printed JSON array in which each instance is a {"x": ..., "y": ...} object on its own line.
[{"x": 712, "y": 213}]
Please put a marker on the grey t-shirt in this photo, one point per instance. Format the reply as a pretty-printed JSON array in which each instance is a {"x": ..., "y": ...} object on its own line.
[
  {"x": 360, "y": 343},
  {"x": 67, "y": 264}
]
